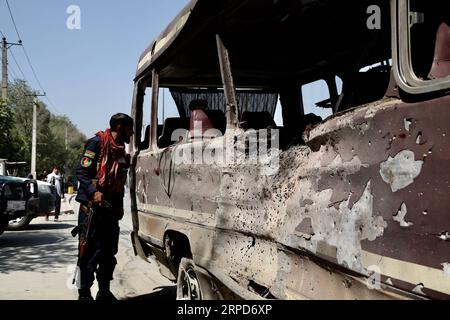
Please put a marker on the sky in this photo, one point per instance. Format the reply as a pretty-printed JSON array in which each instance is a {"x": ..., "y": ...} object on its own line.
[{"x": 88, "y": 73}]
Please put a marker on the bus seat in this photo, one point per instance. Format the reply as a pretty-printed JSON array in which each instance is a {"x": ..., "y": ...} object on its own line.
[
  {"x": 144, "y": 145},
  {"x": 170, "y": 126},
  {"x": 218, "y": 119},
  {"x": 199, "y": 124},
  {"x": 441, "y": 63},
  {"x": 207, "y": 119},
  {"x": 305, "y": 124},
  {"x": 257, "y": 120},
  {"x": 364, "y": 87}
]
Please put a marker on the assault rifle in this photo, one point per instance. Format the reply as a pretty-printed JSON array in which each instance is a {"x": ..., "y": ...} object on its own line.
[{"x": 83, "y": 230}]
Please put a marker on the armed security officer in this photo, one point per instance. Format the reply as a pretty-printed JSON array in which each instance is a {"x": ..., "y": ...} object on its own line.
[{"x": 102, "y": 173}]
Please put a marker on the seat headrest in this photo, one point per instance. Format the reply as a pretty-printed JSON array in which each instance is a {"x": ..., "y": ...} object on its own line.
[
  {"x": 257, "y": 120},
  {"x": 441, "y": 63},
  {"x": 201, "y": 126},
  {"x": 170, "y": 126},
  {"x": 198, "y": 105}
]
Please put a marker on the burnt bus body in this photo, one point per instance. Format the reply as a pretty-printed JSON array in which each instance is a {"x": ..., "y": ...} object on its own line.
[{"x": 353, "y": 207}]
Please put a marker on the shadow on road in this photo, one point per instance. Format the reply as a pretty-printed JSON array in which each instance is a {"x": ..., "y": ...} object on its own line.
[
  {"x": 38, "y": 250},
  {"x": 161, "y": 293},
  {"x": 43, "y": 227}
]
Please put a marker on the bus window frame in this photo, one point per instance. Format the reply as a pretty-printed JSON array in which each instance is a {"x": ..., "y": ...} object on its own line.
[
  {"x": 401, "y": 54},
  {"x": 232, "y": 107},
  {"x": 137, "y": 115}
]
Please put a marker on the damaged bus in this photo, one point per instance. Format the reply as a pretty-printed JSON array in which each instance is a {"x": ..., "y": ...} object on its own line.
[{"x": 235, "y": 202}]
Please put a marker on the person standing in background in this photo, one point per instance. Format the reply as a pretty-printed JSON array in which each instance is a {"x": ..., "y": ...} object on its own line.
[{"x": 55, "y": 178}]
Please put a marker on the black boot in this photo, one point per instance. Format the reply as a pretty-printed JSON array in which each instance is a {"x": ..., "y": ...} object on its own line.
[
  {"x": 104, "y": 292},
  {"x": 85, "y": 295}
]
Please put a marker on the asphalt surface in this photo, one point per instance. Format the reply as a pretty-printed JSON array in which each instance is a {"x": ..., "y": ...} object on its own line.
[{"x": 39, "y": 263}]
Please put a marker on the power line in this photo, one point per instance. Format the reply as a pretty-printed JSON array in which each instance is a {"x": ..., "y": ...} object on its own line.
[
  {"x": 12, "y": 18},
  {"x": 23, "y": 46},
  {"x": 18, "y": 66},
  {"x": 52, "y": 105},
  {"x": 32, "y": 69},
  {"x": 29, "y": 60},
  {"x": 12, "y": 74}
]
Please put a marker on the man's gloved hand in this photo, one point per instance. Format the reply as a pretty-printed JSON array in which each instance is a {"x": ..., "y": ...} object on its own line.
[{"x": 98, "y": 199}]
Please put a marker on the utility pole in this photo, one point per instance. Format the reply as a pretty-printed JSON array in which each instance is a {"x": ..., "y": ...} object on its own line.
[
  {"x": 34, "y": 138},
  {"x": 4, "y": 69},
  {"x": 5, "y": 47},
  {"x": 67, "y": 148}
]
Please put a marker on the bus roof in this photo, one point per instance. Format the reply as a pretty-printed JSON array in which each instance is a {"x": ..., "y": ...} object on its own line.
[{"x": 270, "y": 42}]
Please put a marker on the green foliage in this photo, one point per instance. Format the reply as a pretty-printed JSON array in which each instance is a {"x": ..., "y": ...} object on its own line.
[
  {"x": 16, "y": 125},
  {"x": 6, "y": 118}
]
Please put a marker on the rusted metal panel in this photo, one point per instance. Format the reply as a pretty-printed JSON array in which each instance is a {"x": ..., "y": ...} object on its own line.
[
  {"x": 370, "y": 188},
  {"x": 403, "y": 149},
  {"x": 154, "y": 110}
]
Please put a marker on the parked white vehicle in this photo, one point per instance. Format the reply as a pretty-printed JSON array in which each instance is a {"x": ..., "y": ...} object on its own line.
[{"x": 45, "y": 201}]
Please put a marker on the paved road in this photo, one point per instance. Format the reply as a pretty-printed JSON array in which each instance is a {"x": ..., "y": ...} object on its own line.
[{"x": 37, "y": 264}]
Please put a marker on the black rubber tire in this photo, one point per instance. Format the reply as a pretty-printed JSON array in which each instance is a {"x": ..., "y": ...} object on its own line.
[
  {"x": 207, "y": 290},
  {"x": 3, "y": 226},
  {"x": 172, "y": 261},
  {"x": 22, "y": 224}
]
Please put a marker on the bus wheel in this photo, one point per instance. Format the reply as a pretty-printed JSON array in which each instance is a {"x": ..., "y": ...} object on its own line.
[
  {"x": 20, "y": 224},
  {"x": 195, "y": 285}
]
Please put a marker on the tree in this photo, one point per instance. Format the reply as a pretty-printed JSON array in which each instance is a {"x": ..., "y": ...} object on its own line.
[
  {"x": 74, "y": 145},
  {"x": 6, "y": 124},
  {"x": 51, "y": 142}
]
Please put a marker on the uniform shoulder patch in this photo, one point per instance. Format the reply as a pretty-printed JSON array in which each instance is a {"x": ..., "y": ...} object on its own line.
[
  {"x": 90, "y": 154},
  {"x": 86, "y": 162}
]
